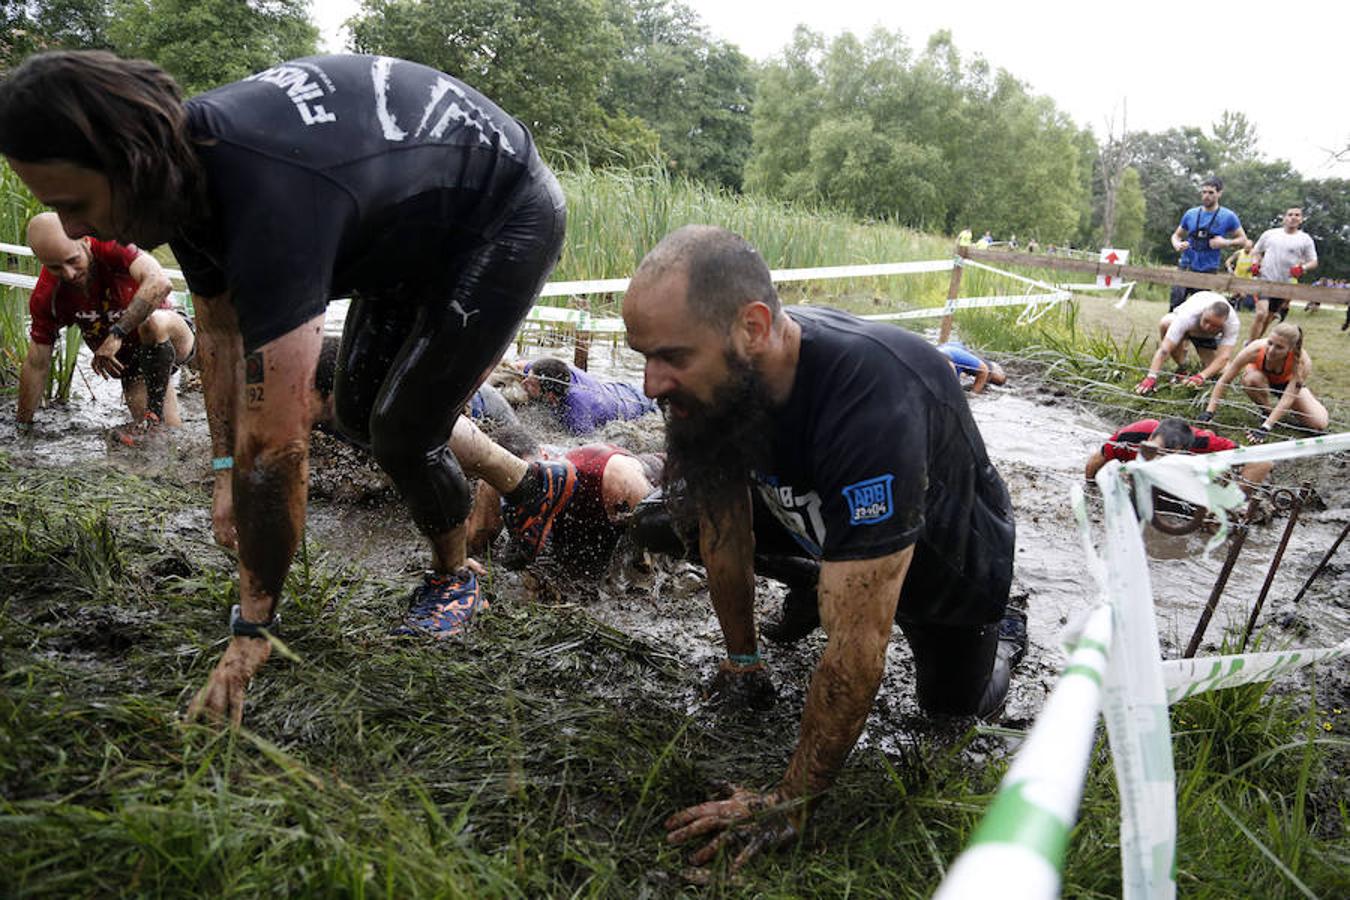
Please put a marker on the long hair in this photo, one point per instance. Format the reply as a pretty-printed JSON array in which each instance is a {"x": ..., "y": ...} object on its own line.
[{"x": 122, "y": 118}]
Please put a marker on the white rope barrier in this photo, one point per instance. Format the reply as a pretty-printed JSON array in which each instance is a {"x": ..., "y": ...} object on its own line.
[
  {"x": 819, "y": 273},
  {"x": 21, "y": 250}
]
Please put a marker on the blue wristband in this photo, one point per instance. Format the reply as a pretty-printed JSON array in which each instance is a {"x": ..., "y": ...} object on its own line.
[
  {"x": 221, "y": 463},
  {"x": 745, "y": 659}
]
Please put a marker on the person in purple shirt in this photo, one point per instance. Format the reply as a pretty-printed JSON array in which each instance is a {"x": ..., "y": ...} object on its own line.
[
  {"x": 963, "y": 362},
  {"x": 581, "y": 401}
]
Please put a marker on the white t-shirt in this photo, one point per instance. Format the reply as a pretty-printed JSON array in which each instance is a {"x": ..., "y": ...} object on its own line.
[
  {"x": 1281, "y": 250},
  {"x": 1187, "y": 319}
]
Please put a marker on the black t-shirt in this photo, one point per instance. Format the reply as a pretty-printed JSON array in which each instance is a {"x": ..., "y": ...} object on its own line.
[
  {"x": 335, "y": 174},
  {"x": 876, "y": 450}
]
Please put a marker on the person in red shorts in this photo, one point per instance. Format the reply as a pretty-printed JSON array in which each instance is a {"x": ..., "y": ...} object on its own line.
[
  {"x": 1150, "y": 437},
  {"x": 119, "y": 299}
]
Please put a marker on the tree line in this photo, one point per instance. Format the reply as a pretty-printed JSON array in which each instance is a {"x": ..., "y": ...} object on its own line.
[{"x": 869, "y": 125}]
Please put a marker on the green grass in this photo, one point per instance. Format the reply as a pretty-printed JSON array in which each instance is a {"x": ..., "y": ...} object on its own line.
[
  {"x": 17, "y": 206},
  {"x": 536, "y": 758}
]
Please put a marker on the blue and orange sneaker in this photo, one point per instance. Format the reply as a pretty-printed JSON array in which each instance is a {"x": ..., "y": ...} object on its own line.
[
  {"x": 443, "y": 605},
  {"x": 529, "y": 523}
]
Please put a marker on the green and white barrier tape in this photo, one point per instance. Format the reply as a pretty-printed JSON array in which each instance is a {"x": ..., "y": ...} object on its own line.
[
  {"x": 1018, "y": 849},
  {"x": 1188, "y": 677},
  {"x": 1135, "y": 706}
]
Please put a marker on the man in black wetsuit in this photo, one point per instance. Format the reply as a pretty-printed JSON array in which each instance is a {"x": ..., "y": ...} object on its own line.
[
  {"x": 860, "y": 442},
  {"x": 330, "y": 176}
]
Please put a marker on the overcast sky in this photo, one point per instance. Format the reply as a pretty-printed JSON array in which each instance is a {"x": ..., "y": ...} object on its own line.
[{"x": 1279, "y": 63}]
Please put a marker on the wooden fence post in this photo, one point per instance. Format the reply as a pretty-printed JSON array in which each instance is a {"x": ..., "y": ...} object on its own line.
[
  {"x": 581, "y": 354},
  {"x": 953, "y": 291}
]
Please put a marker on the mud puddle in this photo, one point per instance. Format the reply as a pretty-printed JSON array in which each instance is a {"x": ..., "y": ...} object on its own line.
[{"x": 1038, "y": 441}]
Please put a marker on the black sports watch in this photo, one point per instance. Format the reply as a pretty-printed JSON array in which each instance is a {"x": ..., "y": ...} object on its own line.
[
  {"x": 117, "y": 331},
  {"x": 241, "y": 627}
]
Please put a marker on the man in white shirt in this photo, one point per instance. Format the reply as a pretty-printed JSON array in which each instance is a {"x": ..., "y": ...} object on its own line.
[
  {"x": 1209, "y": 322},
  {"x": 1281, "y": 254}
]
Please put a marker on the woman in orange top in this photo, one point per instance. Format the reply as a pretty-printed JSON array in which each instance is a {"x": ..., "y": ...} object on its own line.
[{"x": 1279, "y": 364}]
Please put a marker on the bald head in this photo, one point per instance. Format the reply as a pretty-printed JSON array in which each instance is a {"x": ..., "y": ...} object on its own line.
[
  {"x": 47, "y": 239},
  {"x": 721, "y": 272},
  {"x": 66, "y": 259}
]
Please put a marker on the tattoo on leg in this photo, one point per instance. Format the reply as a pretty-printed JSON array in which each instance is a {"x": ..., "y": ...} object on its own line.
[{"x": 254, "y": 372}]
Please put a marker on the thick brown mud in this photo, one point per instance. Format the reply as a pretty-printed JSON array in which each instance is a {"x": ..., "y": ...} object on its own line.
[{"x": 1039, "y": 442}]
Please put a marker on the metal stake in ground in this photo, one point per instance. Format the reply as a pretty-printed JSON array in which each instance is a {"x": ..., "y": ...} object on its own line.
[
  {"x": 1295, "y": 508},
  {"x": 1238, "y": 539},
  {"x": 1323, "y": 564}
]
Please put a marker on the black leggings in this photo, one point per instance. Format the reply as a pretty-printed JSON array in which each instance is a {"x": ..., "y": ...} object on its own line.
[
  {"x": 409, "y": 361},
  {"x": 956, "y": 669}
]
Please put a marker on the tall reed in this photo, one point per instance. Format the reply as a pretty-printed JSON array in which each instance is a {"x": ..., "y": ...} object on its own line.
[{"x": 17, "y": 206}]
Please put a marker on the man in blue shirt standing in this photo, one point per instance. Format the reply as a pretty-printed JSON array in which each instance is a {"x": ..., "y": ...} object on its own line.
[{"x": 1204, "y": 231}]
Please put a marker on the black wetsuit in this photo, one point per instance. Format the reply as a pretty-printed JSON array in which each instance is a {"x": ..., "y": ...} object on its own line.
[
  {"x": 875, "y": 451},
  {"x": 403, "y": 188}
]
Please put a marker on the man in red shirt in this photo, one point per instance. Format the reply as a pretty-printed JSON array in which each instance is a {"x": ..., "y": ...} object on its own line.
[
  {"x": 611, "y": 482},
  {"x": 1150, "y": 437},
  {"x": 118, "y": 297}
]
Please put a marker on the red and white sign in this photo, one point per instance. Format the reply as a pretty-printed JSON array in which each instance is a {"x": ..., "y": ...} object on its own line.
[{"x": 1112, "y": 257}]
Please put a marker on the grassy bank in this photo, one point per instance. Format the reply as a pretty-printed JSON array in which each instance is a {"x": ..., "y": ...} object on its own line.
[{"x": 537, "y": 757}]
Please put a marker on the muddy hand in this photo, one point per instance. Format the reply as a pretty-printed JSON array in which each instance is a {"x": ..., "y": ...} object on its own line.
[
  {"x": 742, "y": 687},
  {"x": 105, "y": 361},
  {"x": 223, "y": 695},
  {"x": 743, "y": 819},
  {"x": 222, "y": 512}
]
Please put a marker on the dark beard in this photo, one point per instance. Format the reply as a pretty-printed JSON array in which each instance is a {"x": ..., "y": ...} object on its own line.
[{"x": 711, "y": 451}]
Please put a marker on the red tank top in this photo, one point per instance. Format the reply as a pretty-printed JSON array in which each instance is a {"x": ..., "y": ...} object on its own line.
[{"x": 1277, "y": 379}]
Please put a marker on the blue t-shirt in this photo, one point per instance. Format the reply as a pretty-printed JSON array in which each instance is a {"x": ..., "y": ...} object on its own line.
[
  {"x": 1219, "y": 223},
  {"x": 966, "y": 363}
]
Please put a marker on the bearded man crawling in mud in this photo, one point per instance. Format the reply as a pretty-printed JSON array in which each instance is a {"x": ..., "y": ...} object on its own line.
[{"x": 861, "y": 444}]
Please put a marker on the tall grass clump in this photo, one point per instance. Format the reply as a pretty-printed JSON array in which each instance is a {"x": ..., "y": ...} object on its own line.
[
  {"x": 17, "y": 206},
  {"x": 615, "y": 216},
  {"x": 537, "y": 757}
]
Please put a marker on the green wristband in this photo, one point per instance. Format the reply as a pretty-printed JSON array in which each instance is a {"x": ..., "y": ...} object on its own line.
[
  {"x": 745, "y": 659},
  {"x": 221, "y": 463}
]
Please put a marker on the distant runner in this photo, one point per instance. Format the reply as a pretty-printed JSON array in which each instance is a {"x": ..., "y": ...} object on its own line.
[
  {"x": 1281, "y": 254},
  {"x": 1204, "y": 231}
]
